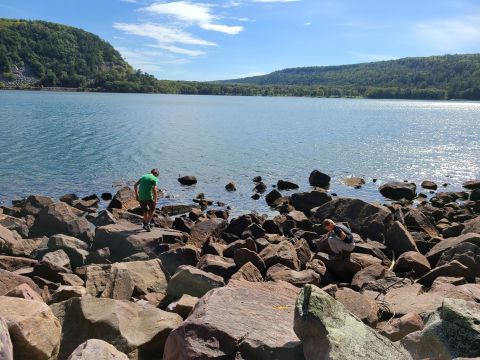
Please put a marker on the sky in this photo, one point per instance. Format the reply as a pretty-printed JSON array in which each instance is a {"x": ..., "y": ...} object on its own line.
[{"x": 226, "y": 39}]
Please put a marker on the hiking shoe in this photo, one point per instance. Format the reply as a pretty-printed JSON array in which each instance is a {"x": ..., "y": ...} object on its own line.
[{"x": 148, "y": 228}]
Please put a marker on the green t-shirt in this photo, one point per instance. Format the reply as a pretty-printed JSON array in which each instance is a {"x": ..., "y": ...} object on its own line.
[{"x": 147, "y": 182}]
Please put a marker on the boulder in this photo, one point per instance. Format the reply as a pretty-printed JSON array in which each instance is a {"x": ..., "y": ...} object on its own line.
[
  {"x": 98, "y": 350},
  {"x": 24, "y": 291},
  {"x": 306, "y": 201},
  {"x": 183, "y": 306},
  {"x": 231, "y": 186},
  {"x": 9, "y": 281},
  {"x": 410, "y": 298},
  {"x": 14, "y": 223},
  {"x": 398, "y": 328},
  {"x": 452, "y": 332},
  {"x": 370, "y": 275},
  {"x": 436, "y": 251},
  {"x": 367, "y": 220},
  {"x": 65, "y": 292},
  {"x": 248, "y": 272},
  {"x": 12, "y": 244},
  {"x": 60, "y": 218},
  {"x": 120, "y": 280},
  {"x": 34, "y": 330},
  {"x": 76, "y": 249},
  {"x": 475, "y": 195},
  {"x": 344, "y": 270},
  {"x": 35, "y": 203},
  {"x": 397, "y": 190},
  {"x": 131, "y": 327},
  {"x": 13, "y": 263},
  {"x": 57, "y": 258},
  {"x": 399, "y": 239},
  {"x": 202, "y": 230},
  {"x": 6, "y": 347},
  {"x": 272, "y": 196},
  {"x": 354, "y": 181},
  {"x": 192, "y": 281},
  {"x": 103, "y": 218},
  {"x": 260, "y": 187},
  {"x": 239, "y": 244},
  {"x": 125, "y": 239},
  {"x": 124, "y": 199},
  {"x": 218, "y": 265},
  {"x": 243, "y": 256},
  {"x": 187, "y": 180},
  {"x": 412, "y": 261},
  {"x": 452, "y": 269},
  {"x": 471, "y": 184},
  {"x": 427, "y": 184},
  {"x": 465, "y": 253},
  {"x": 362, "y": 306},
  {"x": 279, "y": 272},
  {"x": 472, "y": 226},
  {"x": 304, "y": 253},
  {"x": 319, "y": 179},
  {"x": 417, "y": 221},
  {"x": 329, "y": 331},
  {"x": 184, "y": 255},
  {"x": 286, "y": 185},
  {"x": 282, "y": 253},
  {"x": 235, "y": 322}
]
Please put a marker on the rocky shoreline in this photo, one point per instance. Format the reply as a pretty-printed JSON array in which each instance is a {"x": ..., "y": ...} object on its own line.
[{"x": 79, "y": 283}]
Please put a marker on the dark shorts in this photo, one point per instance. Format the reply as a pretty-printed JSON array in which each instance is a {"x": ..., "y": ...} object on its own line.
[{"x": 147, "y": 205}]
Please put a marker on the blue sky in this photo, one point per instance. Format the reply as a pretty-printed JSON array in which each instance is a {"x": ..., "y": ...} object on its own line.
[{"x": 223, "y": 39}]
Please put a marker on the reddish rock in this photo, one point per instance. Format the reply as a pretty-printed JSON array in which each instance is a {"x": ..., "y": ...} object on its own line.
[
  {"x": 398, "y": 328},
  {"x": 236, "y": 322},
  {"x": 282, "y": 253},
  {"x": 365, "y": 308},
  {"x": 412, "y": 261},
  {"x": 248, "y": 272}
]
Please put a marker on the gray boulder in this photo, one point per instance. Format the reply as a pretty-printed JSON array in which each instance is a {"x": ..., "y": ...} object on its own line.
[
  {"x": 329, "y": 331},
  {"x": 317, "y": 178},
  {"x": 98, "y": 350},
  {"x": 397, "y": 190},
  {"x": 306, "y": 201},
  {"x": 192, "y": 281},
  {"x": 60, "y": 218},
  {"x": 14, "y": 223},
  {"x": 6, "y": 347},
  {"x": 124, "y": 199},
  {"x": 279, "y": 272},
  {"x": 125, "y": 239},
  {"x": 140, "y": 330},
  {"x": 452, "y": 332},
  {"x": 399, "y": 239},
  {"x": 282, "y": 253}
]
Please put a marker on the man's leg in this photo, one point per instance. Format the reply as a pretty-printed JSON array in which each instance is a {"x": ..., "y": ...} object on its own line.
[{"x": 333, "y": 242}]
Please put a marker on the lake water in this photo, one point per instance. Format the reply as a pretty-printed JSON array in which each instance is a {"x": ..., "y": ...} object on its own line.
[{"x": 54, "y": 143}]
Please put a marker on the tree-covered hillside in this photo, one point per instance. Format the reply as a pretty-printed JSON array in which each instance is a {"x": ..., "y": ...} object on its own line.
[
  {"x": 57, "y": 55},
  {"x": 455, "y": 76}
]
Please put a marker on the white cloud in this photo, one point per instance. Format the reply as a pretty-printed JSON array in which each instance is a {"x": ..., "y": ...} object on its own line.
[
  {"x": 308, "y": 23},
  {"x": 177, "y": 50},
  {"x": 130, "y": 1},
  {"x": 450, "y": 34},
  {"x": 183, "y": 10},
  {"x": 148, "y": 60},
  {"x": 190, "y": 13},
  {"x": 231, "y": 30},
  {"x": 162, "y": 34}
]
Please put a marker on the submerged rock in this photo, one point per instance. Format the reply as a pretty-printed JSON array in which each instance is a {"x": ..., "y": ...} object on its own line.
[
  {"x": 319, "y": 179},
  {"x": 187, "y": 180},
  {"x": 397, "y": 190}
]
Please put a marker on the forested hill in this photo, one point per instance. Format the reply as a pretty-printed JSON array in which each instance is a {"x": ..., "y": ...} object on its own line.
[
  {"x": 56, "y": 55},
  {"x": 458, "y": 76}
]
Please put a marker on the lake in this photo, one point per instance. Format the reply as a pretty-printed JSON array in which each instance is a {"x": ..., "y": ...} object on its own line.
[{"x": 54, "y": 143}]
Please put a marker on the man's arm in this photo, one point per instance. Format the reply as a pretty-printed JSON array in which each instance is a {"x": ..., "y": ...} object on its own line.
[
  {"x": 340, "y": 233},
  {"x": 155, "y": 193},
  {"x": 135, "y": 188}
]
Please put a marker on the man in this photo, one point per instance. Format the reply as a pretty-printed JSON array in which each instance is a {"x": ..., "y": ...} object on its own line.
[
  {"x": 340, "y": 238},
  {"x": 146, "y": 193}
]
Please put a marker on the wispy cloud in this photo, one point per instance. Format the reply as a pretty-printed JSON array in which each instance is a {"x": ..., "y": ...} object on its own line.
[
  {"x": 149, "y": 60},
  {"x": 199, "y": 14},
  {"x": 177, "y": 50},
  {"x": 162, "y": 34},
  {"x": 449, "y": 34}
]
